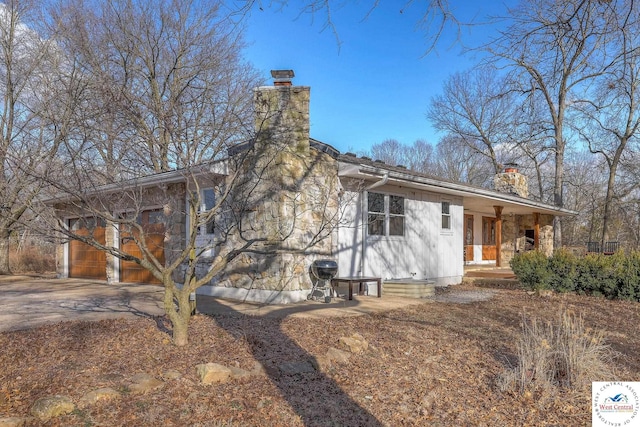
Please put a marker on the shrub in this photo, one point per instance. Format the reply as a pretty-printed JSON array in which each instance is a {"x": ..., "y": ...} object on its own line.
[
  {"x": 561, "y": 354},
  {"x": 532, "y": 270},
  {"x": 628, "y": 277},
  {"x": 563, "y": 271},
  {"x": 33, "y": 259}
]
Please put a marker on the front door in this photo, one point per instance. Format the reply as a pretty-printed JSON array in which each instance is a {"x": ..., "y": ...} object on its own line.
[
  {"x": 468, "y": 237},
  {"x": 488, "y": 238}
]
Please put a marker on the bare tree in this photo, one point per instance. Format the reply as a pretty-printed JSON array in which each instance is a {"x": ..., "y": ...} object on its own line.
[
  {"x": 169, "y": 80},
  {"x": 436, "y": 15},
  {"x": 609, "y": 121},
  {"x": 211, "y": 183},
  {"x": 38, "y": 90},
  {"x": 455, "y": 160},
  {"x": 558, "y": 47},
  {"x": 478, "y": 108}
]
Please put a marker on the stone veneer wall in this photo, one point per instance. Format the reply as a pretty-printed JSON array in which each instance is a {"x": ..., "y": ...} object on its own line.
[
  {"x": 289, "y": 197},
  {"x": 511, "y": 183},
  {"x": 513, "y": 235}
]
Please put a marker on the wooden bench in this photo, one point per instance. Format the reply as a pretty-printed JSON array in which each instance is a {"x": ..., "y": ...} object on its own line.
[{"x": 350, "y": 281}]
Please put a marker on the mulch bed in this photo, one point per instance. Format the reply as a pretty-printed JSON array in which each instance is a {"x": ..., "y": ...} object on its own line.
[{"x": 432, "y": 364}]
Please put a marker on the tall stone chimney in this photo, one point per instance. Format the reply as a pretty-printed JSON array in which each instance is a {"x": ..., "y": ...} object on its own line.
[
  {"x": 511, "y": 181},
  {"x": 282, "y": 114}
]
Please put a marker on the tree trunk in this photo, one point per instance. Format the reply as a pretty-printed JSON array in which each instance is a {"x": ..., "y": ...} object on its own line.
[
  {"x": 178, "y": 315},
  {"x": 558, "y": 198},
  {"x": 4, "y": 251}
]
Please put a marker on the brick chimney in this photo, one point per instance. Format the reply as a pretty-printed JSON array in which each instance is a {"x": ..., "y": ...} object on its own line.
[{"x": 511, "y": 181}]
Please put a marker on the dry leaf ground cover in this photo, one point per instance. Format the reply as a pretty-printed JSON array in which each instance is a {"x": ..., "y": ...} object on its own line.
[{"x": 434, "y": 364}]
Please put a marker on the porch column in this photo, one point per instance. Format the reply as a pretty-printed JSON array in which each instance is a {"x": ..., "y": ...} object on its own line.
[
  {"x": 536, "y": 230},
  {"x": 498, "y": 210}
]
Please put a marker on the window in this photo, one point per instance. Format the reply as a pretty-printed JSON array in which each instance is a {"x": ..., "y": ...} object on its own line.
[
  {"x": 488, "y": 231},
  {"x": 207, "y": 202},
  {"x": 376, "y": 214},
  {"x": 446, "y": 216},
  {"x": 385, "y": 215}
]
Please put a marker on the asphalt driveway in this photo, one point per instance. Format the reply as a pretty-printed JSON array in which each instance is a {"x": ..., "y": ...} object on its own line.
[{"x": 27, "y": 302}]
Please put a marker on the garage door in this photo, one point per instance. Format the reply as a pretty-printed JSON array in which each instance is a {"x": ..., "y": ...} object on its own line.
[
  {"x": 85, "y": 261},
  {"x": 153, "y": 226}
]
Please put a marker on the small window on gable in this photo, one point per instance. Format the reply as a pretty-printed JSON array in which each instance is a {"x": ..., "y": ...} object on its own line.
[
  {"x": 207, "y": 202},
  {"x": 385, "y": 215},
  {"x": 446, "y": 216}
]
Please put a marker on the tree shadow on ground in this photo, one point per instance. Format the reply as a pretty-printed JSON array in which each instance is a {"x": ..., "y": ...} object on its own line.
[{"x": 316, "y": 398}]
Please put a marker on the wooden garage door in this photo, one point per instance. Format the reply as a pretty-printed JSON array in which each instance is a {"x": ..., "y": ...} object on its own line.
[
  {"x": 86, "y": 261},
  {"x": 153, "y": 226}
]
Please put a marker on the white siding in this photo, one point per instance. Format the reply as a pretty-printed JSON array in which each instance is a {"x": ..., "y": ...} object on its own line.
[{"x": 424, "y": 252}]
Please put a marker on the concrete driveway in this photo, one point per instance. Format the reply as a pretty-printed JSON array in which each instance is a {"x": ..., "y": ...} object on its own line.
[{"x": 27, "y": 302}]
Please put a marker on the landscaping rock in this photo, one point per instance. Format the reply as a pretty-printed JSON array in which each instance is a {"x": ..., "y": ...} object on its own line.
[
  {"x": 52, "y": 406},
  {"x": 13, "y": 422},
  {"x": 237, "y": 373},
  {"x": 98, "y": 395},
  {"x": 339, "y": 356},
  {"x": 172, "y": 374},
  {"x": 210, "y": 373},
  {"x": 144, "y": 383},
  {"x": 322, "y": 363},
  {"x": 355, "y": 343},
  {"x": 258, "y": 370}
]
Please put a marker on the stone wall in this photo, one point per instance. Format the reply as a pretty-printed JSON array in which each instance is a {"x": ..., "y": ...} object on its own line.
[
  {"x": 511, "y": 183},
  {"x": 286, "y": 197},
  {"x": 514, "y": 237}
]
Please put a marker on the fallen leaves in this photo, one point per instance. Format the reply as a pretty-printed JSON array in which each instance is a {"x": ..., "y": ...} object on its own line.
[{"x": 432, "y": 364}]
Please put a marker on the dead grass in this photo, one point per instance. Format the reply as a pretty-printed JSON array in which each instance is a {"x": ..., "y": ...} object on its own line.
[
  {"x": 435, "y": 364},
  {"x": 555, "y": 356}
]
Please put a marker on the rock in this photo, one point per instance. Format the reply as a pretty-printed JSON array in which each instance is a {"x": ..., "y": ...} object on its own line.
[
  {"x": 13, "y": 422},
  {"x": 210, "y": 373},
  {"x": 322, "y": 363},
  {"x": 355, "y": 343},
  {"x": 171, "y": 374},
  {"x": 239, "y": 373},
  {"x": 144, "y": 383},
  {"x": 52, "y": 406},
  {"x": 335, "y": 355},
  {"x": 98, "y": 395},
  {"x": 258, "y": 370}
]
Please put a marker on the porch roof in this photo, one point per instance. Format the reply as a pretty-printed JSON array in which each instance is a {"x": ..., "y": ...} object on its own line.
[{"x": 476, "y": 199}]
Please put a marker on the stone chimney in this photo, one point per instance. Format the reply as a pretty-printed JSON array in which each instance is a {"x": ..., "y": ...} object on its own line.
[
  {"x": 511, "y": 181},
  {"x": 282, "y": 114}
]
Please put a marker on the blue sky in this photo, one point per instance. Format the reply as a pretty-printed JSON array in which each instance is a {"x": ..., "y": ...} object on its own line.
[{"x": 378, "y": 82}]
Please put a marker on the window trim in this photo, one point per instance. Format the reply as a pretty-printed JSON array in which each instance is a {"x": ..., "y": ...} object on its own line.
[
  {"x": 446, "y": 215},
  {"x": 386, "y": 215},
  {"x": 202, "y": 207}
]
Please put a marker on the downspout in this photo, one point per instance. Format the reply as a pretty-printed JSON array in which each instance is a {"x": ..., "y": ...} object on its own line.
[{"x": 365, "y": 219}]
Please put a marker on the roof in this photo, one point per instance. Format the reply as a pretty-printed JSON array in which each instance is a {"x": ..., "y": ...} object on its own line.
[{"x": 477, "y": 199}]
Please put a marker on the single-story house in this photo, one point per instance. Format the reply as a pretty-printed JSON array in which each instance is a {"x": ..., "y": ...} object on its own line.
[{"x": 374, "y": 219}]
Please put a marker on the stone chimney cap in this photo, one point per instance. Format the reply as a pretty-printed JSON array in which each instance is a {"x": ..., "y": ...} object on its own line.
[{"x": 282, "y": 77}]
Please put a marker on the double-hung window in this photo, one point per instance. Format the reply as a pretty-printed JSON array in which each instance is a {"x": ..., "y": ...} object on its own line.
[
  {"x": 207, "y": 202},
  {"x": 446, "y": 215},
  {"x": 385, "y": 215}
]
